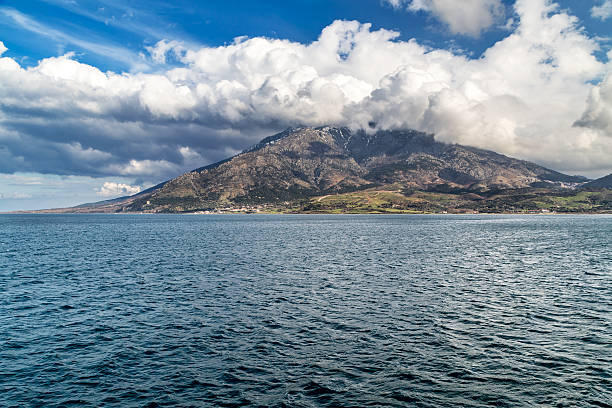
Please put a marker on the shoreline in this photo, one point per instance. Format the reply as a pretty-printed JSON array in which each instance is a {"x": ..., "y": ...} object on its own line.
[{"x": 51, "y": 212}]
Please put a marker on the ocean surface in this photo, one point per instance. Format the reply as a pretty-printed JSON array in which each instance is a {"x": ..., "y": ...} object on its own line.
[{"x": 305, "y": 311}]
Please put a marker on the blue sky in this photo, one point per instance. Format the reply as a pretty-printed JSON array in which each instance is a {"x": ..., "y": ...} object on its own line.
[
  {"x": 128, "y": 27},
  {"x": 121, "y": 95}
]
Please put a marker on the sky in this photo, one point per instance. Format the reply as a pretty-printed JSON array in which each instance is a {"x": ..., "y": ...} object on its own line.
[{"x": 100, "y": 99}]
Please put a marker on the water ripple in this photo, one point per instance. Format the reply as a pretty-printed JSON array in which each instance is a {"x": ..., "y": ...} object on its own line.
[{"x": 302, "y": 311}]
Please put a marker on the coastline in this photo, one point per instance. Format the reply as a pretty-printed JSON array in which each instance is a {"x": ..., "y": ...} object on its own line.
[{"x": 59, "y": 212}]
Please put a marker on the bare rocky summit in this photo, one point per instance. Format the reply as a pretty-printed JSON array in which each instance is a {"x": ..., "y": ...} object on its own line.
[
  {"x": 301, "y": 164},
  {"x": 307, "y": 162}
]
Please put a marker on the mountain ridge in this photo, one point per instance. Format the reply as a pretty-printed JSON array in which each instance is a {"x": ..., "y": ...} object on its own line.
[
  {"x": 287, "y": 170},
  {"x": 602, "y": 182}
]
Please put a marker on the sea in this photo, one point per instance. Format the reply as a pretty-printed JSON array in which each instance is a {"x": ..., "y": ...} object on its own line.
[{"x": 305, "y": 310}]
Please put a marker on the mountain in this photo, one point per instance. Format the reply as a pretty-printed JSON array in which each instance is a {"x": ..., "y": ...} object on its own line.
[
  {"x": 306, "y": 162},
  {"x": 300, "y": 168},
  {"x": 603, "y": 182}
]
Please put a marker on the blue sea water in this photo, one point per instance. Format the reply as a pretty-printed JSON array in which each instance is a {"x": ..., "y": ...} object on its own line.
[{"x": 305, "y": 311}]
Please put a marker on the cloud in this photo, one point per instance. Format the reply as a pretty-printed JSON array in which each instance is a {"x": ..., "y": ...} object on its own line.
[
  {"x": 467, "y": 17},
  {"x": 602, "y": 12},
  {"x": 396, "y": 3},
  {"x": 111, "y": 189},
  {"x": 120, "y": 14},
  {"x": 95, "y": 45},
  {"x": 14, "y": 196},
  {"x": 20, "y": 180},
  {"x": 160, "y": 51},
  {"x": 598, "y": 114},
  {"x": 530, "y": 95},
  {"x": 3, "y": 49}
]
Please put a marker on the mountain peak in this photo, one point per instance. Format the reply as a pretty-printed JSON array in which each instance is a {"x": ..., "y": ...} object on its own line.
[{"x": 304, "y": 162}]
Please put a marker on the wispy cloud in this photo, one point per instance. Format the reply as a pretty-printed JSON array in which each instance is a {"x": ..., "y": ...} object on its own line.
[
  {"x": 99, "y": 46},
  {"x": 21, "y": 180},
  {"x": 124, "y": 17},
  {"x": 604, "y": 11},
  {"x": 14, "y": 196}
]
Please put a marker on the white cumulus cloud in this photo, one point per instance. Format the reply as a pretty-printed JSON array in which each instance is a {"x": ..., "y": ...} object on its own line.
[
  {"x": 112, "y": 189},
  {"x": 599, "y": 110},
  {"x": 536, "y": 94},
  {"x": 467, "y": 17}
]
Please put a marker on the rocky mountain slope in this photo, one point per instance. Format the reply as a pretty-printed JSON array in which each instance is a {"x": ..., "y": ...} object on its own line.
[
  {"x": 306, "y": 162},
  {"x": 301, "y": 163},
  {"x": 603, "y": 182}
]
